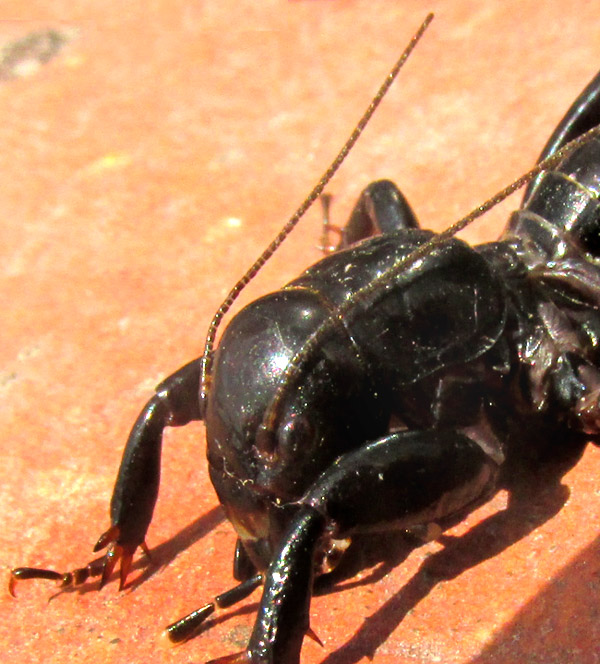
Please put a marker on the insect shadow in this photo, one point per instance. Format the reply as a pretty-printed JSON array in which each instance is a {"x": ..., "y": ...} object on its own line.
[{"x": 576, "y": 589}]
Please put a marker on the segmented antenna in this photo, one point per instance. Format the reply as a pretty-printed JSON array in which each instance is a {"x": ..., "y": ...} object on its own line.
[
  {"x": 206, "y": 362},
  {"x": 294, "y": 367}
]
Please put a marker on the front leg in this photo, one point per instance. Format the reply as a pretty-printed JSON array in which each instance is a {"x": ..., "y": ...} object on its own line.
[
  {"x": 404, "y": 480},
  {"x": 175, "y": 403}
]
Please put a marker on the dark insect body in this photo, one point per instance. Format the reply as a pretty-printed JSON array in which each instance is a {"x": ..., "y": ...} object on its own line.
[{"x": 334, "y": 407}]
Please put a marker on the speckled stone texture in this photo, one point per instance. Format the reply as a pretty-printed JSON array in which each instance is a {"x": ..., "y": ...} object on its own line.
[{"x": 142, "y": 167}]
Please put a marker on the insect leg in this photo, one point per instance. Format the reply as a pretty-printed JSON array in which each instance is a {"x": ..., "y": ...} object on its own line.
[
  {"x": 381, "y": 208},
  {"x": 403, "y": 480},
  {"x": 136, "y": 489},
  {"x": 175, "y": 403},
  {"x": 283, "y": 617}
]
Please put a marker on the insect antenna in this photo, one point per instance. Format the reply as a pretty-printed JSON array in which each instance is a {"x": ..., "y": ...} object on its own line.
[
  {"x": 294, "y": 367},
  {"x": 206, "y": 362}
]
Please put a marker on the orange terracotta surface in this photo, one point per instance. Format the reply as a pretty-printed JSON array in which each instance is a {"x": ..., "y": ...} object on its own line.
[{"x": 142, "y": 168}]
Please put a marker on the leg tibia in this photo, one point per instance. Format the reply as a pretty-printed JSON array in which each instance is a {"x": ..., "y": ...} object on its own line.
[{"x": 136, "y": 488}]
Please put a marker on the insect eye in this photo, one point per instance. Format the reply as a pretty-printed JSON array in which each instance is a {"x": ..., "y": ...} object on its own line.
[{"x": 294, "y": 435}]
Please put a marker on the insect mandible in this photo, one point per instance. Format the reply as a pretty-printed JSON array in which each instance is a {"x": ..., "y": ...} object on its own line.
[{"x": 387, "y": 369}]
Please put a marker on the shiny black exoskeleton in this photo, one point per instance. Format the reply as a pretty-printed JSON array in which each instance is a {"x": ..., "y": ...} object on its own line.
[{"x": 413, "y": 404}]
